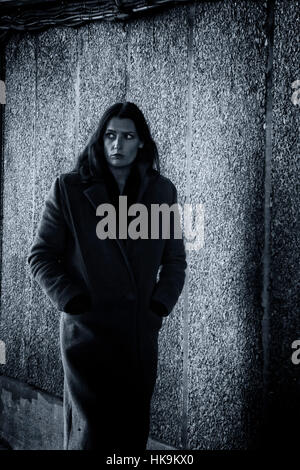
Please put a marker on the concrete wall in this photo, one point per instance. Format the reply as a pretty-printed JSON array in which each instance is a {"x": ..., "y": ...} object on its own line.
[{"x": 199, "y": 74}]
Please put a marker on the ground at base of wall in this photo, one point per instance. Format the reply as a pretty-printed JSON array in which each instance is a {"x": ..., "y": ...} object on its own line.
[{"x": 31, "y": 419}]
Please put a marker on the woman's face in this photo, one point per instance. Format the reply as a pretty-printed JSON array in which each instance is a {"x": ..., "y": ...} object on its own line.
[{"x": 121, "y": 142}]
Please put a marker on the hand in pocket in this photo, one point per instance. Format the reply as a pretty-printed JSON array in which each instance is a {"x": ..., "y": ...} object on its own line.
[{"x": 78, "y": 304}]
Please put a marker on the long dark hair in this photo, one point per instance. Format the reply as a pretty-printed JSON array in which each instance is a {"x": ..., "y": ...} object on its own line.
[{"x": 92, "y": 157}]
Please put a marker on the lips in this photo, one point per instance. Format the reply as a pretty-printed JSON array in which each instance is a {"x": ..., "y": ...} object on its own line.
[{"x": 117, "y": 155}]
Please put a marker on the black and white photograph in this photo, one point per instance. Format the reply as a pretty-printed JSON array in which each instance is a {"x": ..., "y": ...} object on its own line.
[{"x": 150, "y": 228}]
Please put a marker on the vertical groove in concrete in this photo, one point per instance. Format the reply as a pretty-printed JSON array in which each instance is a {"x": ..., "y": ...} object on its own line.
[
  {"x": 77, "y": 90},
  {"x": 267, "y": 192},
  {"x": 191, "y": 15},
  {"x": 128, "y": 64},
  {"x": 26, "y": 363},
  {"x": 2, "y": 113}
]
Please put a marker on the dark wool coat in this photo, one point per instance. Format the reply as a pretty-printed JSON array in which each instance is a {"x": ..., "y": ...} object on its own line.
[{"x": 110, "y": 349}]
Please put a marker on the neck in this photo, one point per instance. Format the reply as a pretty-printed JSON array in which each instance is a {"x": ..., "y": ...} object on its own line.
[{"x": 120, "y": 175}]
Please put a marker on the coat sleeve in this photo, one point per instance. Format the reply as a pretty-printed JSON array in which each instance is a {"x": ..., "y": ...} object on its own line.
[
  {"x": 172, "y": 274},
  {"x": 46, "y": 253}
]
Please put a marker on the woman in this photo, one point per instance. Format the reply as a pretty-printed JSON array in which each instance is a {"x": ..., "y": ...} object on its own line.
[{"x": 106, "y": 288}]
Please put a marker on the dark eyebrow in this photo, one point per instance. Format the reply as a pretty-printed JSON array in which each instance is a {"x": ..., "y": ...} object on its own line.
[{"x": 124, "y": 132}]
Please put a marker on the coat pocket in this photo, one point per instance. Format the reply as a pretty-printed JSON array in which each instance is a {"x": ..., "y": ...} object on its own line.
[
  {"x": 155, "y": 320},
  {"x": 75, "y": 317}
]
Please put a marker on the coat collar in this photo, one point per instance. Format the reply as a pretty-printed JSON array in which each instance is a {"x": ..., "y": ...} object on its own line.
[{"x": 97, "y": 193}]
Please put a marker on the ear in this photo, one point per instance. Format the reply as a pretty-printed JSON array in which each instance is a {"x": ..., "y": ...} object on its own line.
[{"x": 141, "y": 145}]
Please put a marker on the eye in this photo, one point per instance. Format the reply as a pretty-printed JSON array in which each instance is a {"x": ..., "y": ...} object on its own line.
[
  {"x": 129, "y": 136},
  {"x": 109, "y": 135}
]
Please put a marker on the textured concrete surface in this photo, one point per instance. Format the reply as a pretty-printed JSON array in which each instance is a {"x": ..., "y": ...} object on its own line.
[
  {"x": 284, "y": 376},
  {"x": 227, "y": 160},
  {"x": 198, "y": 73},
  {"x": 18, "y": 203}
]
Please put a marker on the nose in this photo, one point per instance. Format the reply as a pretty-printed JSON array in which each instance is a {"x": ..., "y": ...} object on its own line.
[{"x": 118, "y": 142}]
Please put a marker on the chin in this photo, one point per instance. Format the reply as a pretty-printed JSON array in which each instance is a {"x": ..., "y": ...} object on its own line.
[{"x": 120, "y": 164}]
